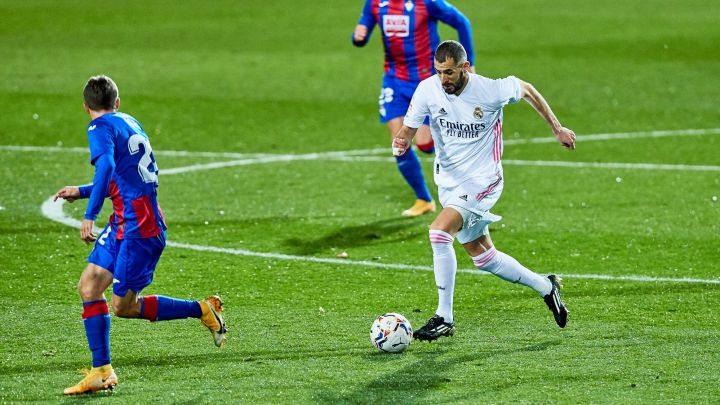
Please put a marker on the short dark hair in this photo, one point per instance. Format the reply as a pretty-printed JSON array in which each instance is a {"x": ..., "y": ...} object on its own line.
[
  {"x": 451, "y": 49},
  {"x": 100, "y": 93}
]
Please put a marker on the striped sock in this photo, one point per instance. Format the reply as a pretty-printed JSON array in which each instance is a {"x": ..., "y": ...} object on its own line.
[
  {"x": 509, "y": 269},
  {"x": 445, "y": 267},
  {"x": 96, "y": 319},
  {"x": 427, "y": 147},
  {"x": 161, "y": 308}
]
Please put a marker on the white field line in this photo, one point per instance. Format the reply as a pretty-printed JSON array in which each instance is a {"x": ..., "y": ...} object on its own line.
[
  {"x": 267, "y": 159},
  {"x": 182, "y": 153},
  {"x": 613, "y": 165},
  {"x": 559, "y": 163},
  {"x": 621, "y": 135},
  {"x": 589, "y": 137},
  {"x": 54, "y": 211}
]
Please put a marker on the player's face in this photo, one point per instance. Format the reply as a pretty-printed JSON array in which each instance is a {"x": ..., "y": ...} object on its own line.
[{"x": 452, "y": 76}]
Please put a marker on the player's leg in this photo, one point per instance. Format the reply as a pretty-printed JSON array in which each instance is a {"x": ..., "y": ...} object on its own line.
[
  {"x": 447, "y": 223},
  {"x": 487, "y": 258},
  {"x": 96, "y": 318},
  {"x": 411, "y": 170},
  {"x": 134, "y": 269},
  {"x": 423, "y": 139},
  {"x": 95, "y": 279}
]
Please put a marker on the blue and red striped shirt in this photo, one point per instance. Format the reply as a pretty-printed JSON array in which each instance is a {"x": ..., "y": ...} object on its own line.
[
  {"x": 125, "y": 171},
  {"x": 410, "y": 34}
]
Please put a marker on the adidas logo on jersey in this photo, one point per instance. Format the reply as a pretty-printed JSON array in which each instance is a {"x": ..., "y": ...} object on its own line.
[
  {"x": 442, "y": 111},
  {"x": 463, "y": 197}
]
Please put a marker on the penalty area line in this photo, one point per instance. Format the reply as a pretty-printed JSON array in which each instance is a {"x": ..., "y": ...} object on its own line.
[{"x": 54, "y": 211}]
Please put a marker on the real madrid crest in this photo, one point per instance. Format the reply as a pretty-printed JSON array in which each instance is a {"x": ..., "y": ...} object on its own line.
[{"x": 477, "y": 113}]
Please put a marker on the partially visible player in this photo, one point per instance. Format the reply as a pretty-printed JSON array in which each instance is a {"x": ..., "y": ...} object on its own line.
[
  {"x": 127, "y": 251},
  {"x": 466, "y": 116},
  {"x": 410, "y": 36}
]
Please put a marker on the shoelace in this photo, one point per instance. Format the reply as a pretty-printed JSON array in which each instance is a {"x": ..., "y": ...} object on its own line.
[{"x": 435, "y": 321}]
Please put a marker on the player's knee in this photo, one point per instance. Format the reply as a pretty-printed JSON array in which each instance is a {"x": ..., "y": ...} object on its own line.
[
  {"x": 446, "y": 224},
  {"x": 88, "y": 291},
  {"x": 123, "y": 308},
  {"x": 123, "y": 311}
]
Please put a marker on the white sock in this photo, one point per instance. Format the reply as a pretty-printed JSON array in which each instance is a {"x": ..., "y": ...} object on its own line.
[
  {"x": 445, "y": 267},
  {"x": 507, "y": 268}
]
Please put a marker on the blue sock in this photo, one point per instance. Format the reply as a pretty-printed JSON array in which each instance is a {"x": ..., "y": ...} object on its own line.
[
  {"x": 97, "y": 329},
  {"x": 161, "y": 308},
  {"x": 409, "y": 166}
]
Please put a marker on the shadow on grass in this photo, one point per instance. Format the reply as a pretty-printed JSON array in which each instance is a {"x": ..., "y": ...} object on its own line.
[
  {"x": 430, "y": 373},
  {"x": 378, "y": 232},
  {"x": 219, "y": 357}
]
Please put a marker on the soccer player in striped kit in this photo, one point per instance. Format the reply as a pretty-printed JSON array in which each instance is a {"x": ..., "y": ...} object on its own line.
[
  {"x": 127, "y": 251},
  {"x": 466, "y": 115},
  {"x": 409, "y": 34}
]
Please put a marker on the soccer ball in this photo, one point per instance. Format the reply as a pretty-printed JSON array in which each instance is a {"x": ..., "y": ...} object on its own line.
[{"x": 391, "y": 333}]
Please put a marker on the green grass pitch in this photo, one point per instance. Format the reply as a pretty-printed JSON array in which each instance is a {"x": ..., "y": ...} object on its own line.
[{"x": 281, "y": 78}]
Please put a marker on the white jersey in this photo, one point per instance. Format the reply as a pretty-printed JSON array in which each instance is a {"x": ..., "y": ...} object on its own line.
[{"x": 466, "y": 129}]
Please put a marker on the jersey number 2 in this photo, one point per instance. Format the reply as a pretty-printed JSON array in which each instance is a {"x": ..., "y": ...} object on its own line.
[{"x": 146, "y": 167}]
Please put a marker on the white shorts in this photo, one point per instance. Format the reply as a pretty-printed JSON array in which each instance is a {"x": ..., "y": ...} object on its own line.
[{"x": 473, "y": 200}]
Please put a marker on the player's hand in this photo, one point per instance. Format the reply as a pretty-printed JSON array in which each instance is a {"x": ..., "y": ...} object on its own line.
[
  {"x": 360, "y": 33},
  {"x": 68, "y": 193},
  {"x": 86, "y": 231},
  {"x": 399, "y": 146},
  {"x": 566, "y": 137}
]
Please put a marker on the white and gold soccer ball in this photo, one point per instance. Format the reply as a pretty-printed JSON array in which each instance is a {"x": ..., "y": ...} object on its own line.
[{"x": 391, "y": 333}]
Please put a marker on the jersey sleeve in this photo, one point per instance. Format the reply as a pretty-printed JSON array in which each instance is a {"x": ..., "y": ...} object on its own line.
[
  {"x": 367, "y": 19},
  {"x": 102, "y": 156},
  {"x": 418, "y": 109},
  {"x": 506, "y": 91},
  {"x": 447, "y": 13},
  {"x": 86, "y": 190},
  {"x": 104, "y": 167},
  {"x": 100, "y": 139}
]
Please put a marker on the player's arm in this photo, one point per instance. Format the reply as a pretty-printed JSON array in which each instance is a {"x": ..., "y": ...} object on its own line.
[
  {"x": 104, "y": 167},
  {"x": 414, "y": 117},
  {"x": 364, "y": 27},
  {"x": 564, "y": 135},
  {"x": 102, "y": 156},
  {"x": 447, "y": 13}
]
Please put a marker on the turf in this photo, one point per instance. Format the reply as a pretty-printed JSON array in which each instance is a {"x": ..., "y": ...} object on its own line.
[{"x": 282, "y": 78}]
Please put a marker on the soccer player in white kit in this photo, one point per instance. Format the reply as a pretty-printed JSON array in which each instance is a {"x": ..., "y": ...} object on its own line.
[{"x": 466, "y": 112}]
